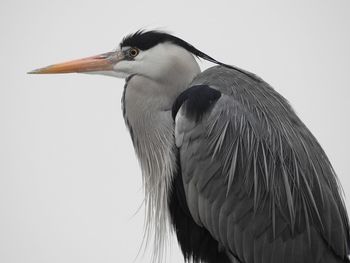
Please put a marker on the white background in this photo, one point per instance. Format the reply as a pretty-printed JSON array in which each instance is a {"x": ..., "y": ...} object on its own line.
[{"x": 69, "y": 181}]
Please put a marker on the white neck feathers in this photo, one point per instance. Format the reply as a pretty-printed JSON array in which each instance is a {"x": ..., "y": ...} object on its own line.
[{"x": 149, "y": 97}]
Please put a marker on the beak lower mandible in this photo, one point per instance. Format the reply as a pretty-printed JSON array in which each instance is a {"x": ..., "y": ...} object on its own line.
[{"x": 103, "y": 62}]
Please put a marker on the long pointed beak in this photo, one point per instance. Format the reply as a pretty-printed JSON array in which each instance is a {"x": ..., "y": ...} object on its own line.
[{"x": 103, "y": 62}]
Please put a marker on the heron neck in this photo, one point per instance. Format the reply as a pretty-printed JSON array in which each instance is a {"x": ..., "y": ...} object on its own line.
[
  {"x": 148, "y": 116},
  {"x": 147, "y": 112}
]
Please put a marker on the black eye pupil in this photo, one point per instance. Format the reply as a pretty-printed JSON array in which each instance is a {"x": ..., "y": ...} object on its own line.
[{"x": 133, "y": 52}]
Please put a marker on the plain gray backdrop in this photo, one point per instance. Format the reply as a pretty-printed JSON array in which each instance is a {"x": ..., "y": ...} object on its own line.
[{"x": 70, "y": 185}]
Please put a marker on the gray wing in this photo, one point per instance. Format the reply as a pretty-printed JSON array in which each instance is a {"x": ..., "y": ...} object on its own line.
[{"x": 255, "y": 177}]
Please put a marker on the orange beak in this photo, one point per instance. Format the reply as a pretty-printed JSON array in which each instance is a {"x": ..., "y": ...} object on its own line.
[{"x": 103, "y": 62}]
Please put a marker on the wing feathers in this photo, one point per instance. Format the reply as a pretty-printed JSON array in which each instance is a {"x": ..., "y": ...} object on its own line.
[{"x": 259, "y": 183}]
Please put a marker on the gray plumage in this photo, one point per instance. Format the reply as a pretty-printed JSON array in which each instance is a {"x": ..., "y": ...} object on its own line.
[
  {"x": 257, "y": 179},
  {"x": 226, "y": 163}
]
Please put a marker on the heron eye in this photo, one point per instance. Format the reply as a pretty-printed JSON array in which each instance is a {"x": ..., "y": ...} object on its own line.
[{"x": 133, "y": 52}]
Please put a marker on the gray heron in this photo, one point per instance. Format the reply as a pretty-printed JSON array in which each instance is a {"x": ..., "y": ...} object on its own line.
[{"x": 226, "y": 163}]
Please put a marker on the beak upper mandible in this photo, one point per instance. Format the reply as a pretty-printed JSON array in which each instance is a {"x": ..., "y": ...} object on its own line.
[{"x": 102, "y": 62}]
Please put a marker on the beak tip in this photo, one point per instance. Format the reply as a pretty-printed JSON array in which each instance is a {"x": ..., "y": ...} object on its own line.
[{"x": 36, "y": 71}]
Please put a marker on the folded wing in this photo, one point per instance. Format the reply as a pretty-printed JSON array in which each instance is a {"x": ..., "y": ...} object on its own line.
[{"x": 253, "y": 174}]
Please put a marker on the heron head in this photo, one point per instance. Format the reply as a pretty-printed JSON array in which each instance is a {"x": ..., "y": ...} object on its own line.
[{"x": 152, "y": 54}]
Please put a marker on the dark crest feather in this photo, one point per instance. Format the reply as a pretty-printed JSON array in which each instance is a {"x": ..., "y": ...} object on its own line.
[{"x": 145, "y": 40}]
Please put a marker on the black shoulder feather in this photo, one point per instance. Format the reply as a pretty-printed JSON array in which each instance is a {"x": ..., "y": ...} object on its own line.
[{"x": 197, "y": 100}]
